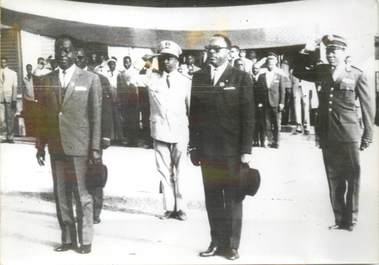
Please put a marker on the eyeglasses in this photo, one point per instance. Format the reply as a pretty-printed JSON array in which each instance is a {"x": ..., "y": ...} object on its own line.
[{"x": 214, "y": 47}]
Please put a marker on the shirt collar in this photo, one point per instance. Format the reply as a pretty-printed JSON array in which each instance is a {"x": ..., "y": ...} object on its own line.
[
  {"x": 68, "y": 71},
  {"x": 220, "y": 68}
]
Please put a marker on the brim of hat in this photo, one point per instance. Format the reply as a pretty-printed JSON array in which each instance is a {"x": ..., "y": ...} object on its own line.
[{"x": 168, "y": 53}]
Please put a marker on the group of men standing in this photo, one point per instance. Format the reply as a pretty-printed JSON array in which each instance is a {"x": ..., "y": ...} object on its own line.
[{"x": 213, "y": 115}]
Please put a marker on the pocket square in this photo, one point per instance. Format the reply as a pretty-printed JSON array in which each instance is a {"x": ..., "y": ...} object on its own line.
[
  {"x": 80, "y": 88},
  {"x": 229, "y": 88}
]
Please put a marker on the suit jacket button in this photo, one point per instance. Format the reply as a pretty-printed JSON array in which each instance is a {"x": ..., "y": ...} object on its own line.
[
  {"x": 330, "y": 110},
  {"x": 60, "y": 113},
  {"x": 330, "y": 102},
  {"x": 331, "y": 95}
]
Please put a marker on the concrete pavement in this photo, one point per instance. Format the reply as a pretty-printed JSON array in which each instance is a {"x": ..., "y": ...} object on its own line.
[{"x": 285, "y": 223}]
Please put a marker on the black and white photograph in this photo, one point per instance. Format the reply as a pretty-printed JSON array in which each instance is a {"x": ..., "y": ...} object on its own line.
[{"x": 189, "y": 132}]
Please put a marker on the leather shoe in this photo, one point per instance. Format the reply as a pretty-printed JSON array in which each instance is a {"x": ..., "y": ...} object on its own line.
[
  {"x": 96, "y": 220},
  {"x": 211, "y": 251},
  {"x": 348, "y": 227},
  {"x": 335, "y": 227},
  {"x": 64, "y": 247},
  {"x": 167, "y": 215},
  {"x": 180, "y": 215},
  {"x": 231, "y": 254},
  {"x": 84, "y": 249}
]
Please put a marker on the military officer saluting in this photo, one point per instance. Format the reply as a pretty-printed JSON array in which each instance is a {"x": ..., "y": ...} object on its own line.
[{"x": 338, "y": 129}]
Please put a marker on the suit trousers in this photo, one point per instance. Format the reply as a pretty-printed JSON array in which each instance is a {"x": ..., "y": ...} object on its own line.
[
  {"x": 343, "y": 172},
  {"x": 69, "y": 183},
  {"x": 301, "y": 98},
  {"x": 272, "y": 117},
  {"x": 171, "y": 159},
  {"x": 222, "y": 200},
  {"x": 260, "y": 126},
  {"x": 144, "y": 105},
  {"x": 7, "y": 118}
]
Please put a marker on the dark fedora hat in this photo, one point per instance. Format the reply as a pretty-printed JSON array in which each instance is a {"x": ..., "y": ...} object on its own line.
[
  {"x": 97, "y": 175},
  {"x": 250, "y": 180}
]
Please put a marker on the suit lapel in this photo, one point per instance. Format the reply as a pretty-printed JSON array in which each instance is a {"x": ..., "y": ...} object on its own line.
[{"x": 71, "y": 84}]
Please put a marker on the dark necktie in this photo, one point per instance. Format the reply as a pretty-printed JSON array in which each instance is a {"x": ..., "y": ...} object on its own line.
[
  {"x": 64, "y": 85},
  {"x": 168, "y": 81}
]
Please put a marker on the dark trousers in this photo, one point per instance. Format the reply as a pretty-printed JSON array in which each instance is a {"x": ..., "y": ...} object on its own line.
[
  {"x": 30, "y": 114},
  {"x": 260, "y": 126},
  {"x": 222, "y": 200},
  {"x": 343, "y": 171},
  {"x": 272, "y": 117},
  {"x": 145, "y": 114},
  {"x": 69, "y": 182},
  {"x": 132, "y": 116},
  {"x": 8, "y": 120}
]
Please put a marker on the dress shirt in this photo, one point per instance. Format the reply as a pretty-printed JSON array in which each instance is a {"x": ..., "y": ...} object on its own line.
[
  {"x": 216, "y": 72},
  {"x": 66, "y": 78},
  {"x": 28, "y": 92}
]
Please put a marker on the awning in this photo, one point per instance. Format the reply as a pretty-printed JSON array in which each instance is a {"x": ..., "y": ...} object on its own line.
[{"x": 255, "y": 26}]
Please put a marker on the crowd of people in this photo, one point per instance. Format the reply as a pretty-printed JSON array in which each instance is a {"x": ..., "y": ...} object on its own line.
[{"x": 216, "y": 112}]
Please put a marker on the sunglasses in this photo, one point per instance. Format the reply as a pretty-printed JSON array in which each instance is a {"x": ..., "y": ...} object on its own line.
[{"x": 214, "y": 47}]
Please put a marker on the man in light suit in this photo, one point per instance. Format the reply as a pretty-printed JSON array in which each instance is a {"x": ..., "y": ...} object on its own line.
[
  {"x": 169, "y": 96},
  {"x": 8, "y": 98},
  {"x": 70, "y": 102},
  {"x": 272, "y": 84},
  {"x": 221, "y": 134},
  {"x": 338, "y": 129}
]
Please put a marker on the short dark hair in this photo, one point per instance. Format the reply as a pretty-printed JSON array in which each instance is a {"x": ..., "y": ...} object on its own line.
[
  {"x": 127, "y": 56},
  {"x": 226, "y": 39},
  {"x": 235, "y": 46},
  {"x": 60, "y": 38},
  {"x": 28, "y": 65}
]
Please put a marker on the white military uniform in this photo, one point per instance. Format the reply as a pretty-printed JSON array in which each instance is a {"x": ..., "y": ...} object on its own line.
[{"x": 169, "y": 109}]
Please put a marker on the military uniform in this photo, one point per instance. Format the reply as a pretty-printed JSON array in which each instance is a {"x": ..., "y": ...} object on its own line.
[{"x": 339, "y": 132}]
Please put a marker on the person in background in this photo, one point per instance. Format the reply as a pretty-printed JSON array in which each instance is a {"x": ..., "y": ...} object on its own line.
[
  {"x": 29, "y": 104},
  {"x": 112, "y": 75},
  {"x": 238, "y": 63},
  {"x": 145, "y": 140},
  {"x": 338, "y": 131},
  {"x": 41, "y": 69},
  {"x": 128, "y": 98},
  {"x": 192, "y": 67},
  {"x": 8, "y": 99},
  {"x": 234, "y": 54},
  {"x": 301, "y": 90},
  {"x": 248, "y": 64},
  {"x": 102, "y": 65},
  {"x": 272, "y": 84}
]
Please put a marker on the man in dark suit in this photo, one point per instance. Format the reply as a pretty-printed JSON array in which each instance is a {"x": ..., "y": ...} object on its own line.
[
  {"x": 221, "y": 132},
  {"x": 338, "y": 129},
  {"x": 106, "y": 127},
  {"x": 272, "y": 84},
  {"x": 70, "y": 101}
]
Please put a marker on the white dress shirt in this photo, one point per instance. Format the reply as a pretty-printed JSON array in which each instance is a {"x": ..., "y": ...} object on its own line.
[
  {"x": 216, "y": 72},
  {"x": 66, "y": 77}
]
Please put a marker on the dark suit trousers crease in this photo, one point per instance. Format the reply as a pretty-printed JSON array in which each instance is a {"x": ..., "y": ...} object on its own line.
[
  {"x": 260, "y": 125},
  {"x": 343, "y": 172},
  {"x": 272, "y": 117},
  {"x": 69, "y": 183},
  {"x": 224, "y": 208}
]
